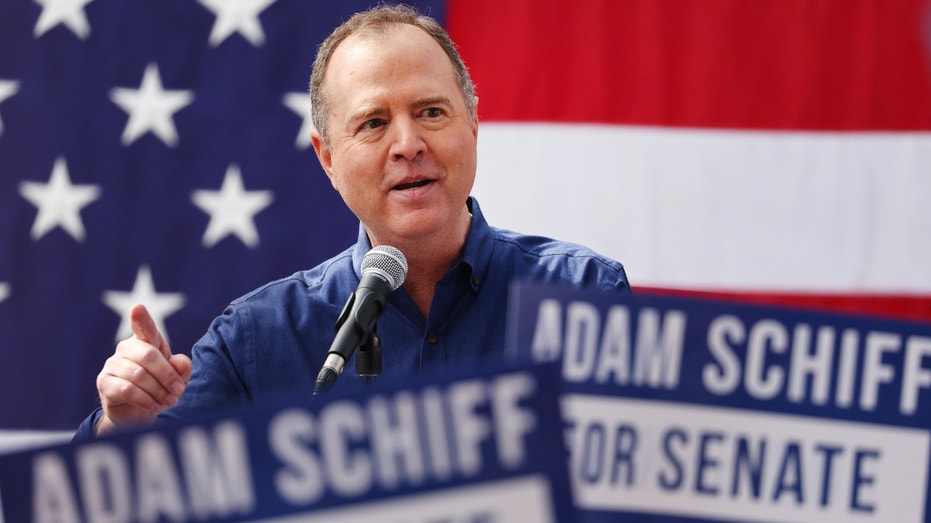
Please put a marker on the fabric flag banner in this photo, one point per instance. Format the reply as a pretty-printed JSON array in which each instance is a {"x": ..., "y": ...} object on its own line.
[{"x": 777, "y": 150}]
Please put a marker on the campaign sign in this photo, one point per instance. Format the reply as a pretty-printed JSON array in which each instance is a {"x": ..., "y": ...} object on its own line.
[
  {"x": 482, "y": 449},
  {"x": 687, "y": 410}
]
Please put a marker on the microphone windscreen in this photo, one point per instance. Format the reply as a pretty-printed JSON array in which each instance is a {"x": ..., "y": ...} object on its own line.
[{"x": 388, "y": 262}]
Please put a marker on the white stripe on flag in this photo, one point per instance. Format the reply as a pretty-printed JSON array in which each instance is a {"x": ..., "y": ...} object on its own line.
[{"x": 727, "y": 210}]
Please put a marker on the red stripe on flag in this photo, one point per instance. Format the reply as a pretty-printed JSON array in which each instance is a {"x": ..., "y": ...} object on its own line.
[
  {"x": 761, "y": 64},
  {"x": 892, "y": 306}
]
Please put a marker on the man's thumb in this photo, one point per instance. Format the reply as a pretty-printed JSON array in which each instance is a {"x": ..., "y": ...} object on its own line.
[{"x": 182, "y": 365}]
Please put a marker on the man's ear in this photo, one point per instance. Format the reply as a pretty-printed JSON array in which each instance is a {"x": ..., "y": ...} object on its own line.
[{"x": 323, "y": 153}]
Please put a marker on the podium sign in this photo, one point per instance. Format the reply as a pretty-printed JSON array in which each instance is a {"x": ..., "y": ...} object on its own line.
[
  {"x": 486, "y": 448},
  {"x": 682, "y": 409}
]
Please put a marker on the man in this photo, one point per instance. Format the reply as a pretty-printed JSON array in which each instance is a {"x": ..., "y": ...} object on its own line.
[{"x": 395, "y": 113}]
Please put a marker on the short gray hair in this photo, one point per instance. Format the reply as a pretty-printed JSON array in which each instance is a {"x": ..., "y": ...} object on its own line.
[{"x": 381, "y": 18}]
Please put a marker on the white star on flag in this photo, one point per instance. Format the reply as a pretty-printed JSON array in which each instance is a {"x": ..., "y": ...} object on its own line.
[
  {"x": 159, "y": 305},
  {"x": 240, "y": 16},
  {"x": 4, "y": 291},
  {"x": 68, "y": 12},
  {"x": 300, "y": 103},
  {"x": 232, "y": 209},
  {"x": 7, "y": 89},
  {"x": 59, "y": 202},
  {"x": 150, "y": 107}
]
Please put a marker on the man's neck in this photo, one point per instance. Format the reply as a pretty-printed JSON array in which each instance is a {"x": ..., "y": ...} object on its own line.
[{"x": 428, "y": 261}]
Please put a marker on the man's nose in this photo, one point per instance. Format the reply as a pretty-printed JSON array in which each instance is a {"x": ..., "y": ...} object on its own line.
[{"x": 406, "y": 139}]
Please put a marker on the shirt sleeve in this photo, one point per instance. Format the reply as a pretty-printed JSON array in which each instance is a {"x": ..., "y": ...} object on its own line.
[
  {"x": 216, "y": 377},
  {"x": 85, "y": 430}
]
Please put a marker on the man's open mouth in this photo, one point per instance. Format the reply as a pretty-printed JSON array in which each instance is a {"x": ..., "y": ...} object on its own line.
[{"x": 412, "y": 185}]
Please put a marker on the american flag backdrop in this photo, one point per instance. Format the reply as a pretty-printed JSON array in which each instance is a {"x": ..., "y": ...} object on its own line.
[{"x": 157, "y": 151}]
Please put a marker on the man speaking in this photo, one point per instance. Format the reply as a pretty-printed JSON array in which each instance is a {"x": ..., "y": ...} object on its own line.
[{"x": 396, "y": 133}]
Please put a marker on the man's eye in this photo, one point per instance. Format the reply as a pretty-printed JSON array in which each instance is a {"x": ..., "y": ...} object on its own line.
[
  {"x": 373, "y": 124},
  {"x": 433, "y": 112}
]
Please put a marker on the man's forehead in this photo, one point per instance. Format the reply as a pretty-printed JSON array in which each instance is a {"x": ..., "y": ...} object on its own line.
[
  {"x": 363, "y": 54},
  {"x": 376, "y": 38}
]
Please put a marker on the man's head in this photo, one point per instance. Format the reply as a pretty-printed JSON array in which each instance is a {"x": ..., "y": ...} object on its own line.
[
  {"x": 382, "y": 18},
  {"x": 398, "y": 134}
]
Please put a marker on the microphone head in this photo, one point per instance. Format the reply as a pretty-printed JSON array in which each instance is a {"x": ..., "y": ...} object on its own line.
[{"x": 387, "y": 262}]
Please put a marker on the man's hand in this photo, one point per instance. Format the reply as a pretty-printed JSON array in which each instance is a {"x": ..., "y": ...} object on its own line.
[{"x": 142, "y": 378}]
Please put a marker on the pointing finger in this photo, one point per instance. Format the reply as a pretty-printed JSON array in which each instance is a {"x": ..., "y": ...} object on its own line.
[{"x": 144, "y": 329}]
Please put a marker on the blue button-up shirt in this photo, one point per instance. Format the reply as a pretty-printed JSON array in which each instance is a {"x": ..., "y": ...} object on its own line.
[{"x": 274, "y": 340}]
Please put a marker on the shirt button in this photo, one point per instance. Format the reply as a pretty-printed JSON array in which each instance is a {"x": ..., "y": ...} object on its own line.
[
  {"x": 476, "y": 280},
  {"x": 431, "y": 338}
]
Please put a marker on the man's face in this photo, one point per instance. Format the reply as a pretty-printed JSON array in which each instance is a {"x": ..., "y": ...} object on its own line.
[{"x": 402, "y": 151}]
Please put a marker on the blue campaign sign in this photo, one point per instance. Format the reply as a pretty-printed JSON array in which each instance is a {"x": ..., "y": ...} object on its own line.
[
  {"x": 687, "y": 410},
  {"x": 486, "y": 448}
]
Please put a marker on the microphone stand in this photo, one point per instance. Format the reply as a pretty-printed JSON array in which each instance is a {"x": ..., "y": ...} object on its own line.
[
  {"x": 383, "y": 270},
  {"x": 368, "y": 358}
]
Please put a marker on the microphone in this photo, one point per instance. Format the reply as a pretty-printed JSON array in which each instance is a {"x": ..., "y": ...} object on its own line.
[{"x": 383, "y": 270}]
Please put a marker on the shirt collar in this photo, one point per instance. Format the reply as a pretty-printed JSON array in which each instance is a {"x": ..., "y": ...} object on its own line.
[
  {"x": 479, "y": 245},
  {"x": 476, "y": 254},
  {"x": 363, "y": 246}
]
